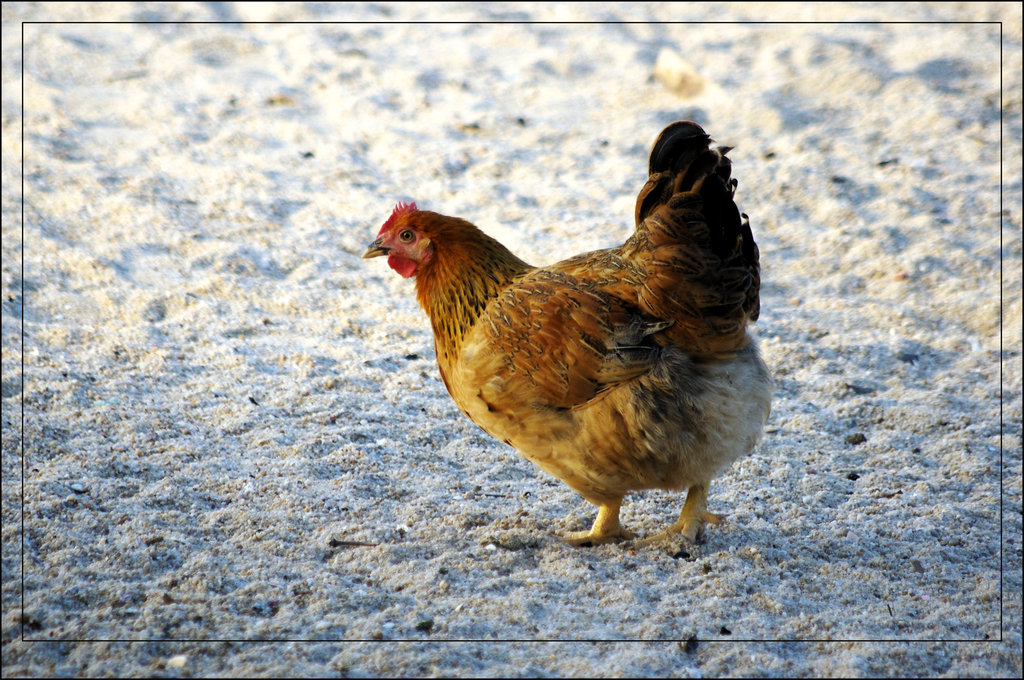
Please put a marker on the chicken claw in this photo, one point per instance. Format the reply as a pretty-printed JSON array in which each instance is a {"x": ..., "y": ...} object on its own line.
[
  {"x": 606, "y": 528},
  {"x": 694, "y": 515}
]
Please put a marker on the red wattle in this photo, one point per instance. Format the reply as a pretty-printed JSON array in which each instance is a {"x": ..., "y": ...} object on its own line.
[{"x": 405, "y": 267}]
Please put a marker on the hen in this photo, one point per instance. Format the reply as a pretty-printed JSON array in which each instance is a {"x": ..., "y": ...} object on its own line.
[{"x": 617, "y": 370}]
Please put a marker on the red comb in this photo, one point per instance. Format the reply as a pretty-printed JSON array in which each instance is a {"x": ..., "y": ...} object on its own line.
[{"x": 400, "y": 209}]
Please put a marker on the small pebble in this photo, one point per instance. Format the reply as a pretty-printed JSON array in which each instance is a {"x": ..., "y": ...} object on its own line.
[
  {"x": 178, "y": 661},
  {"x": 677, "y": 74},
  {"x": 78, "y": 487}
]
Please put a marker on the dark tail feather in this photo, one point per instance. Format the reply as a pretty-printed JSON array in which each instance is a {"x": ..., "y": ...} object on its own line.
[
  {"x": 701, "y": 260},
  {"x": 676, "y": 146},
  {"x": 681, "y": 156}
]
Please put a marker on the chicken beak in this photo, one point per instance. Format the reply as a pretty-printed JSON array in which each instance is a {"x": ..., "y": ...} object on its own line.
[{"x": 375, "y": 249}]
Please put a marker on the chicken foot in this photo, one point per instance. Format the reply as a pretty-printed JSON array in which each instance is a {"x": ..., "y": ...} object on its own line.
[
  {"x": 606, "y": 528},
  {"x": 694, "y": 515}
]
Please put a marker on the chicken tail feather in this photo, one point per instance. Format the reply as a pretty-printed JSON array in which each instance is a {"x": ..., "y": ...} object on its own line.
[{"x": 696, "y": 248}]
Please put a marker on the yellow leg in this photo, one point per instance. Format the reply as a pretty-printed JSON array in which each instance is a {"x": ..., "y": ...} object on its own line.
[
  {"x": 605, "y": 530},
  {"x": 690, "y": 524}
]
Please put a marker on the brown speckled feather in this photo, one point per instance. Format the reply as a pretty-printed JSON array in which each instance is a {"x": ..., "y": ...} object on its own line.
[{"x": 565, "y": 341}]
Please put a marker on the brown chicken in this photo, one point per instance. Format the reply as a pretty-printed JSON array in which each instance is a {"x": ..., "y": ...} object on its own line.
[{"x": 617, "y": 370}]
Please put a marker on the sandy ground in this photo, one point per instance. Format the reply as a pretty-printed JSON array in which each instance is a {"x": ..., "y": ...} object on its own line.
[{"x": 239, "y": 458}]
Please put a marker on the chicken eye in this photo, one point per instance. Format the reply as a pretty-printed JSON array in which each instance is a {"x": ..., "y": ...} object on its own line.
[{"x": 406, "y": 236}]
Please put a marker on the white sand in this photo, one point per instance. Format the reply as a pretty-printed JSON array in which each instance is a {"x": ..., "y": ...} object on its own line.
[{"x": 218, "y": 393}]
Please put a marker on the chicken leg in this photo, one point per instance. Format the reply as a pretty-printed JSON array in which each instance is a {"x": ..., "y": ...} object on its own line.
[
  {"x": 606, "y": 527},
  {"x": 694, "y": 515}
]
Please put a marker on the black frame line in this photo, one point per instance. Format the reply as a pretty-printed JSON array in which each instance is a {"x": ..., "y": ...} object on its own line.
[{"x": 22, "y": 622}]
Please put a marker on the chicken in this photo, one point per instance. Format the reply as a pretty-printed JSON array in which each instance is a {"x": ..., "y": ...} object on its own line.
[{"x": 617, "y": 370}]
